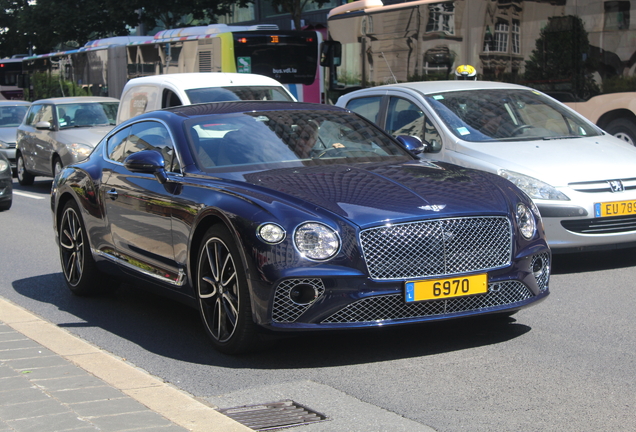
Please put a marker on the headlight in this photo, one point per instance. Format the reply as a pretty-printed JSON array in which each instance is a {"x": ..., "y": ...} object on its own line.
[
  {"x": 4, "y": 165},
  {"x": 316, "y": 241},
  {"x": 271, "y": 233},
  {"x": 525, "y": 221},
  {"x": 3, "y": 145},
  {"x": 80, "y": 151},
  {"x": 536, "y": 189}
]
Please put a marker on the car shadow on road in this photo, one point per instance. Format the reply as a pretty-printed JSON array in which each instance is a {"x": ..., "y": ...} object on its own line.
[
  {"x": 593, "y": 261},
  {"x": 173, "y": 330},
  {"x": 41, "y": 186}
]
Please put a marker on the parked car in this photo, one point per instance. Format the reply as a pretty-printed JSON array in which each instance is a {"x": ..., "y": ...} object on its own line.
[
  {"x": 6, "y": 183},
  {"x": 11, "y": 115},
  {"x": 60, "y": 131},
  {"x": 155, "y": 92},
  {"x": 291, "y": 216},
  {"x": 582, "y": 179}
]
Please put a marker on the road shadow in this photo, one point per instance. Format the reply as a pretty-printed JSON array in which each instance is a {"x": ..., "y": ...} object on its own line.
[
  {"x": 41, "y": 186},
  {"x": 173, "y": 330},
  {"x": 582, "y": 262}
]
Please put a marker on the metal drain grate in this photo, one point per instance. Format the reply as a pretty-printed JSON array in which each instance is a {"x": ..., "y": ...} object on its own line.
[{"x": 273, "y": 415}]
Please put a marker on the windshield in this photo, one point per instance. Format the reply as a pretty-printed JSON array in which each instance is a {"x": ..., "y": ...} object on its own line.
[
  {"x": 86, "y": 114},
  {"x": 284, "y": 136},
  {"x": 507, "y": 115},
  {"x": 223, "y": 94},
  {"x": 12, "y": 116}
]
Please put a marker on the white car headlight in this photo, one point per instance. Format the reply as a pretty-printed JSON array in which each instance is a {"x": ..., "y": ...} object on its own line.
[
  {"x": 80, "y": 151},
  {"x": 3, "y": 144},
  {"x": 4, "y": 165},
  {"x": 525, "y": 221},
  {"x": 316, "y": 241},
  {"x": 536, "y": 189}
]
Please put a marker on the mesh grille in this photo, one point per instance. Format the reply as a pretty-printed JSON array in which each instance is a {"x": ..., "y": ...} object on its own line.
[
  {"x": 284, "y": 309},
  {"x": 437, "y": 247},
  {"x": 393, "y": 307},
  {"x": 544, "y": 274}
]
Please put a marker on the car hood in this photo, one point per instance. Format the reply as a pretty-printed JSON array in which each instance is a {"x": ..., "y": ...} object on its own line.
[
  {"x": 83, "y": 135},
  {"x": 368, "y": 193},
  {"x": 7, "y": 134},
  {"x": 558, "y": 162}
]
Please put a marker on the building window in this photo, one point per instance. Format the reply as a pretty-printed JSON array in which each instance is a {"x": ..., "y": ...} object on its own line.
[
  {"x": 501, "y": 37},
  {"x": 617, "y": 15},
  {"x": 515, "y": 35},
  {"x": 441, "y": 18}
]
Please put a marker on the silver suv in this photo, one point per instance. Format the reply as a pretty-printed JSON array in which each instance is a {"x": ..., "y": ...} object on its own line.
[{"x": 59, "y": 131}]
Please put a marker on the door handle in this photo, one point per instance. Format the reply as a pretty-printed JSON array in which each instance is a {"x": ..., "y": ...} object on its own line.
[{"x": 112, "y": 194}]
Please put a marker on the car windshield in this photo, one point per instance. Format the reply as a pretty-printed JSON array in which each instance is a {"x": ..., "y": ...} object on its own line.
[
  {"x": 11, "y": 116},
  {"x": 287, "y": 136},
  {"x": 507, "y": 115},
  {"x": 224, "y": 94},
  {"x": 86, "y": 114}
]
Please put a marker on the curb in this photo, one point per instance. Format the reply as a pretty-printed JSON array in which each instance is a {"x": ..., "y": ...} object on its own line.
[{"x": 172, "y": 403}]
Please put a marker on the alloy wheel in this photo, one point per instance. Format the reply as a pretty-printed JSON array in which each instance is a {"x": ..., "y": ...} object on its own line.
[
  {"x": 218, "y": 289},
  {"x": 72, "y": 246}
]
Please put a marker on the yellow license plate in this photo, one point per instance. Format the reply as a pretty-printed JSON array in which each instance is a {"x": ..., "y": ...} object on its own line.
[
  {"x": 435, "y": 289},
  {"x": 616, "y": 208}
]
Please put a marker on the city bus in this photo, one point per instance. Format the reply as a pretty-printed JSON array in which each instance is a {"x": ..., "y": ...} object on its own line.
[
  {"x": 102, "y": 67},
  {"x": 581, "y": 52},
  {"x": 10, "y": 70}
]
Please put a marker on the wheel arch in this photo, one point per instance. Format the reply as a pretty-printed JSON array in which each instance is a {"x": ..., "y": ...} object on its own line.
[{"x": 610, "y": 116}]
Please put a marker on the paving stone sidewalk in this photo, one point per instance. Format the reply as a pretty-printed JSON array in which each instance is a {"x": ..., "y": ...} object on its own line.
[{"x": 53, "y": 381}]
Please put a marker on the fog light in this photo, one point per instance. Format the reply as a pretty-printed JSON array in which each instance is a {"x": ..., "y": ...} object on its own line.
[{"x": 303, "y": 294}]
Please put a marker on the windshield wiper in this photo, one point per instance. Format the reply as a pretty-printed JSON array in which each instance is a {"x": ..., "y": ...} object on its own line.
[{"x": 548, "y": 138}]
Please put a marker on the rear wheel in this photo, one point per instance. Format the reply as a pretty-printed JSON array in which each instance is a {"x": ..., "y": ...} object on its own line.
[
  {"x": 222, "y": 292},
  {"x": 25, "y": 178},
  {"x": 623, "y": 129},
  {"x": 78, "y": 265}
]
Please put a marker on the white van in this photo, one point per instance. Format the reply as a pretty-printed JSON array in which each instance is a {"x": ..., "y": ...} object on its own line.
[{"x": 162, "y": 91}]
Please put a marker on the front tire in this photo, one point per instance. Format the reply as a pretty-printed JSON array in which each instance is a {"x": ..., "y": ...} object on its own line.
[
  {"x": 25, "y": 178},
  {"x": 222, "y": 293},
  {"x": 57, "y": 166},
  {"x": 78, "y": 265}
]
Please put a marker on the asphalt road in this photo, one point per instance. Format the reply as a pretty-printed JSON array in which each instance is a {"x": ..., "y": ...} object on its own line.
[{"x": 567, "y": 364}]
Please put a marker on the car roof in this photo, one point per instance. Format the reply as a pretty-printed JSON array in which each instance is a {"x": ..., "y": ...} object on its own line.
[
  {"x": 76, "y": 99},
  {"x": 430, "y": 87},
  {"x": 14, "y": 103},
  {"x": 233, "y": 107},
  {"x": 205, "y": 79}
]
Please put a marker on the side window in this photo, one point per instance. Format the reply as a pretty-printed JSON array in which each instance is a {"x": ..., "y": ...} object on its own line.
[
  {"x": 33, "y": 114},
  {"x": 405, "y": 118},
  {"x": 153, "y": 136},
  {"x": 46, "y": 114},
  {"x": 367, "y": 107},
  {"x": 170, "y": 99},
  {"x": 116, "y": 145}
]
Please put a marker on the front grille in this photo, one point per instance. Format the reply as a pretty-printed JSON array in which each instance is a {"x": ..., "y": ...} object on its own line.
[
  {"x": 393, "y": 307},
  {"x": 284, "y": 309},
  {"x": 607, "y": 225},
  {"x": 603, "y": 185},
  {"x": 437, "y": 247},
  {"x": 542, "y": 260}
]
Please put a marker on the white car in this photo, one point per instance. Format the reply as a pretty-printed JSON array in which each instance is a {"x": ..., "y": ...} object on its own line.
[{"x": 582, "y": 179}]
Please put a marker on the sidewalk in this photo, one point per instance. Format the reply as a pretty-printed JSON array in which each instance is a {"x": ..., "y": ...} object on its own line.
[{"x": 50, "y": 380}]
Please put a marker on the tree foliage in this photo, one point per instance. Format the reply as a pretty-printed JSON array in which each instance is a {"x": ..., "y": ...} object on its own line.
[
  {"x": 562, "y": 57},
  {"x": 295, "y": 8}
]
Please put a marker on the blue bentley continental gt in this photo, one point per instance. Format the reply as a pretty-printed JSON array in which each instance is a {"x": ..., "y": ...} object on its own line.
[{"x": 285, "y": 216}]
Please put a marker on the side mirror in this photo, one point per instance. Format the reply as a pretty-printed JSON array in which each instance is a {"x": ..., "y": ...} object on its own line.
[
  {"x": 43, "y": 125},
  {"x": 330, "y": 53},
  {"x": 147, "y": 162},
  {"x": 412, "y": 144}
]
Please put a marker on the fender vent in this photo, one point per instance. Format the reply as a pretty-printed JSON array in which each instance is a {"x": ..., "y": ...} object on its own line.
[{"x": 273, "y": 415}]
